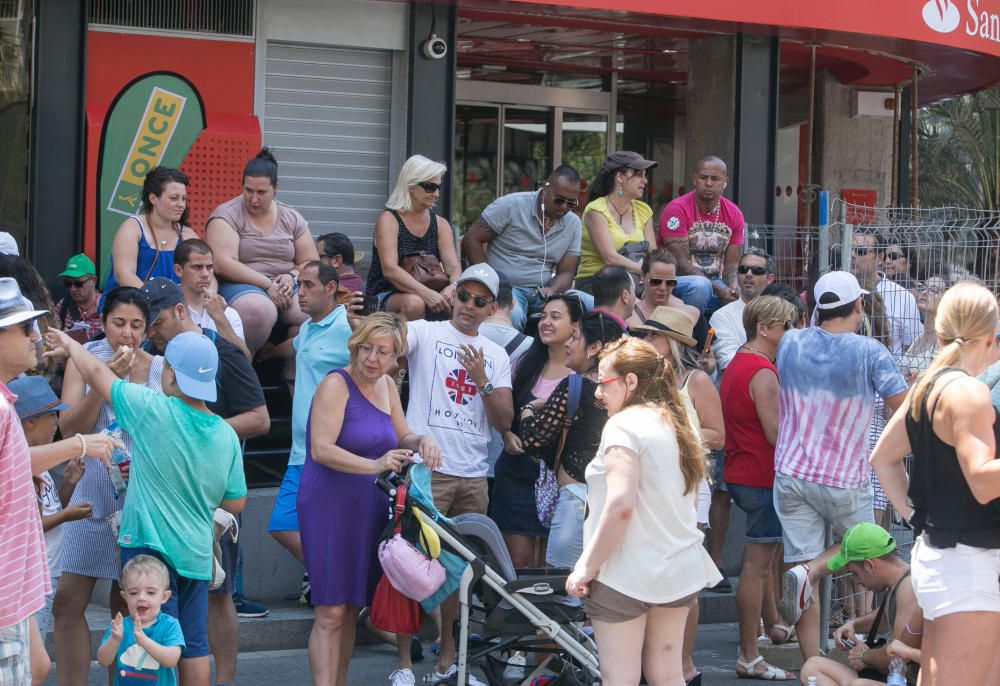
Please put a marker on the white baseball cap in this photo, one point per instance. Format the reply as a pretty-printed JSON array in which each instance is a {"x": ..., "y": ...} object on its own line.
[
  {"x": 8, "y": 245},
  {"x": 842, "y": 284}
]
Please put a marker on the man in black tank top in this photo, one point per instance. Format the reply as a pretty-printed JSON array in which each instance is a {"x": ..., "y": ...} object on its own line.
[{"x": 868, "y": 552}]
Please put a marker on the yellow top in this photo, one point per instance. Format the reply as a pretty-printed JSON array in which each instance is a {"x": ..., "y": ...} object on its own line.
[{"x": 590, "y": 260}]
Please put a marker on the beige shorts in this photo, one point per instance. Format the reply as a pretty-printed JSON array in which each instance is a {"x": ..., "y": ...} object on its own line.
[
  {"x": 605, "y": 604},
  {"x": 456, "y": 495}
]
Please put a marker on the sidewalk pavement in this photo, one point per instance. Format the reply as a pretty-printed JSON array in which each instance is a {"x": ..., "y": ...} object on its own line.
[{"x": 715, "y": 655}]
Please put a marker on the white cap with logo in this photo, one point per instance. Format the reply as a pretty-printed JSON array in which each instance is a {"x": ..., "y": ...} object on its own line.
[
  {"x": 484, "y": 274},
  {"x": 844, "y": 285}
]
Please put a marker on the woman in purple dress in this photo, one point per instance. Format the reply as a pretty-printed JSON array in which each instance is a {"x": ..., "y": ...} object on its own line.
[{"x": 356, "y": 431}]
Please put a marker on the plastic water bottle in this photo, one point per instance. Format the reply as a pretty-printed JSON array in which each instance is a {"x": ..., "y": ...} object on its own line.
[
  {"x": 897, "y": 672},
  {"x": 812, "y": 681},
  {"x": 118, "y": 458}
]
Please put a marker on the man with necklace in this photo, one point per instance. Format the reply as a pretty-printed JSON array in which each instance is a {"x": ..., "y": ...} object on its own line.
[{"x": 705, "y": 232}]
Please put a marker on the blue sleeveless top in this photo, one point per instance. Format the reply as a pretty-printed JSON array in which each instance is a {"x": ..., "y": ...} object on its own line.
[{"x": 148, "y": 261}]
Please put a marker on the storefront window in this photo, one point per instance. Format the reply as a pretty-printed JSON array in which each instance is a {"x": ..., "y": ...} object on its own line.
[{"x": 15, "y": 98}]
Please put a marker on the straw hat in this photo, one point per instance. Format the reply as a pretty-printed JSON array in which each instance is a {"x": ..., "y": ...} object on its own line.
[{"x": 670, "y": 322}]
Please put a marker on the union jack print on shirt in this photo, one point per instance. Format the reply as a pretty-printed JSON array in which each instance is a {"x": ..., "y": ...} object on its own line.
[{"x": 461, "y": 390}]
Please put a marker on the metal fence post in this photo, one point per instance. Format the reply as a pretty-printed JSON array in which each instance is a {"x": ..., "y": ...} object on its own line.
[
  {"x": 824, "y": 232},
  {"x": 825, "y": 599}
]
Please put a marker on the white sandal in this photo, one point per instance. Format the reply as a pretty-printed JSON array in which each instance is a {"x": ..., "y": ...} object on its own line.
[
  {"x": 772, "y": 673},
  {"x": 789, "y": 632}
]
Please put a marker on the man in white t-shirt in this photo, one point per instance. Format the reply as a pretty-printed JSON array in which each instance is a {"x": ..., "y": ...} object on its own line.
[
  {"x": 459, "y": 388},
  {"x": 194, "y": 265},
  {"x": 755, "y": 272},
  {"x": 901, "y": 313}
]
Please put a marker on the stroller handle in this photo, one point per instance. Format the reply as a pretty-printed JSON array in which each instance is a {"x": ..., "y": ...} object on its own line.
[{"x": 388, "y": 481}]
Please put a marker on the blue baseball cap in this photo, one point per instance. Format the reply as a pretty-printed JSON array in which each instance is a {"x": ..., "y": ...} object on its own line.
[
  {"x": 34, "y": 397},
  {"x": 195, "y": 361}
]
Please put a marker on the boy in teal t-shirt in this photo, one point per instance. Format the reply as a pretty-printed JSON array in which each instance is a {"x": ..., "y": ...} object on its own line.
[
  {"x": 147, "y": 644},
  {"x": 186, "y": 462}
]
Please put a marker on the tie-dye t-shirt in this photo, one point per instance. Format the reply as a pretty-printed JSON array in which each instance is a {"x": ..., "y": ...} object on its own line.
[{"x": 828, "y": 387}]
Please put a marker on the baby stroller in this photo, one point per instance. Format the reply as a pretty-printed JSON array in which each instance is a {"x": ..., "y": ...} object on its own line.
[{"x": 501, "y": 609}]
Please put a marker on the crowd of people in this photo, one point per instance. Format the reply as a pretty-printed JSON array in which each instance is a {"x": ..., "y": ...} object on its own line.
[{"x": 653, "y": 366}]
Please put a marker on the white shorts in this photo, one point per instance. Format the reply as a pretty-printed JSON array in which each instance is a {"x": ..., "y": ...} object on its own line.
[
  {"x": 959, "y": 579},
  {"x": 704, "y": 502}
]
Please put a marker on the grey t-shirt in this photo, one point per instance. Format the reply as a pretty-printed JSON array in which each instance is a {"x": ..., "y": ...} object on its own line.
[{"x": 520, "y": 251}]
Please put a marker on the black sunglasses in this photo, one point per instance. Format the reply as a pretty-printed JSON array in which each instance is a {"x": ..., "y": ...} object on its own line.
[
  {"x": 24, "y": 326},
  {"x": 862, "y": 250},
  {"x": 75, "y": 284},
  {"x": 656, "y": 283},
  {"x": 481, "y": 301},
  {"x": 568, "y": 202},
  {"x": 430, "y": 186},
  {"x": 746, "y": 268},
  {"x": 893, "y": 255}
]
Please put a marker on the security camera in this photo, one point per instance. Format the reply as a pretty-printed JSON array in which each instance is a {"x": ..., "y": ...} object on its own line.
[{"x": 435, "y": 47}]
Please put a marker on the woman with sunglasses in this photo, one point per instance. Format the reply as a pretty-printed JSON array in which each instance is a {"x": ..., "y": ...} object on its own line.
[
  {"x": 90, "y": 548},
  {"x": 260, "y": 244},
  {"x": 539, "y": 372},
  {"x": 671, "y": 333},
  {"x": 542, "y": 427},
  {"x": 618, "y": 225},
  {"x": 749, "y": 395},
  {"x": 409, "y": 225},
  {"x": 643, "y": 563},
  {"x": 659, "y": 277},
  {"x": 918, "y": 356}
]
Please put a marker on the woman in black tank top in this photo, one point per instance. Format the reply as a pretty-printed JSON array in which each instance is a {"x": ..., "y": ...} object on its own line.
[
  {"x": 409, "y": 226},
  {"x": 948, "y": 422}
]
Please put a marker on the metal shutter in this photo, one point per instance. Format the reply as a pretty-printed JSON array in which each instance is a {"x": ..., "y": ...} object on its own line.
[{"x": 327, "y": 114}]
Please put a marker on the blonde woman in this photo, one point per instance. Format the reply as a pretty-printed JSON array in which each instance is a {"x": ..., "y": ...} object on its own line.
[
  {"x": 948, "y": 421},
  {"x": 643, "y": 563},
  {"x": 409, "y": 225}
]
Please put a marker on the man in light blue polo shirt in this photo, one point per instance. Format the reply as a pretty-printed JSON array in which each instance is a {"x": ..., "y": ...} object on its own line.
[
  {"x": 320, "y": 347},
  {"x": 534, "y": 239}
]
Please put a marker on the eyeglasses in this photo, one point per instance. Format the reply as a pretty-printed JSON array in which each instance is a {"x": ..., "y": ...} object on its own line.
[
  {"x": 481, "y": 301},
  {"x": 23, "y": 326},
  {"x": 933, "y": 290},
  {"x": 76, "y": 284},
  {"x": 656, "y": 283},
  {"x": 568, "y": 202},
  {"x": 430, "y": 186},
  {"x": 756, "y": 271},
  {"x": 366, "y": 349},
  {"x": 894, "y": 255},
  {"x": 613, "y": 378},
  {"x": 862, "y": 250}
]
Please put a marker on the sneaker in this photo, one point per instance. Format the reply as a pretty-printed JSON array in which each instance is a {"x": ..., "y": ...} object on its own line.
[
  {"x": 402, "y": 677},
  {"x": 796, "y": 594},
  {"x": 246, "y": 608},
  {"x": 305, "y": 598},
  {"x": 437, "y": 677},
  {"x": 514, "y": 671}
]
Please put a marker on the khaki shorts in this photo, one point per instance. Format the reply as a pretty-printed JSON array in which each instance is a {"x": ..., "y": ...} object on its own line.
[
  {"x": 456, "y": 495},
  {"x": 15, "y": 651},
  {"x": 605, "y": 604}
]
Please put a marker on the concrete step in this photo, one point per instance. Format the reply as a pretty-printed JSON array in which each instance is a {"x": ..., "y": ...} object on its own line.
[{"x": 287, "y": 625}]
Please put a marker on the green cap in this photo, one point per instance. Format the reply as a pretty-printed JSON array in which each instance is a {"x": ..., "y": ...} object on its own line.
[
  {"x": 864, "y": 541},
  {"x": 79, "y": 266}
]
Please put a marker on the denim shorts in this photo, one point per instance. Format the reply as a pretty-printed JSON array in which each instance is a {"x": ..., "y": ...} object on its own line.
[
  {"x": 763, "y": 525},
  {"x": 231, "y": 291},
  {"x": 805, "y": 508},
  {"x": 188, "y": 603},
  {"x": 566, "y": 530}
]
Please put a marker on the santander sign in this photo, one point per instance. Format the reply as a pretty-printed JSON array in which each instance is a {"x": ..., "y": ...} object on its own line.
[{"x": 944, "y": 16}]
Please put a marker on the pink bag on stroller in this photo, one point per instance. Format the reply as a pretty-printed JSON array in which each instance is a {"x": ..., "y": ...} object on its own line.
[{"x": 412, "y": 573}]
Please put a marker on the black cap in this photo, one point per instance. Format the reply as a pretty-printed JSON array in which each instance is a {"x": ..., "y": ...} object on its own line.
[{"x": 162, "y": 293}]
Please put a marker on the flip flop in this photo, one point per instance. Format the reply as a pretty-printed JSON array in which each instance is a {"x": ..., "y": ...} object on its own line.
[{"x": 744, "y": 670}]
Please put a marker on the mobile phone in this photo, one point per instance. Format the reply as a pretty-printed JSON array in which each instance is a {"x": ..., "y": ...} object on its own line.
[
  {"x": 708, "y": 340},
  {"x": 848, "y": 642},
  {"x": 369, "y": 306},
  {"x": 78, "y": 334}
]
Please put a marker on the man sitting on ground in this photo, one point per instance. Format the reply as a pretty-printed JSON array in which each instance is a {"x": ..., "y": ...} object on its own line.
[
  {"x": 868, "y": 553},
  {"x": 614, "y": 294}
]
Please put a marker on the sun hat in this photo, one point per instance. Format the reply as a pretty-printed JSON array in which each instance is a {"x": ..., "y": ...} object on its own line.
[
  {"x": 484, "y": 274},
  {"x": 864, "y": 541},
  {"x": 844, "y": 285},
  {"x": 14, "y": 307},
  {"x": 670, "y": 322},
  {"x": 195, "y": 360},
  {"x": 35, "y": 397},
  {"x": 78, "y": 267}
]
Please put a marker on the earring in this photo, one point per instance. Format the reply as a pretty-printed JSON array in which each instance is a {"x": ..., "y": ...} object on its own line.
[
  {"x": 764, "y": 334},
  {"x": 620, "y": 191}
]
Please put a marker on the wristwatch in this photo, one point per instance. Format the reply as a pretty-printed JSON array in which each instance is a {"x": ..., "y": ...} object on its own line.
[{"x": 486, "y": 389}]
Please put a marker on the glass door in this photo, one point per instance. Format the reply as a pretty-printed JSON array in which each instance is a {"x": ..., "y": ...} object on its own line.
[
  {"x": 474, "y": 176},
  {"x": 527, "y": 149}
]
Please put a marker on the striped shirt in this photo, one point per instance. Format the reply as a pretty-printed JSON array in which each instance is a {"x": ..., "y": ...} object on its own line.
[
  {"x": 24, "y": 571},
  {"x": 827, "y": 403}
]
